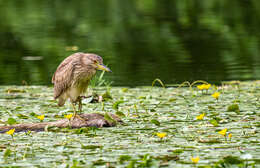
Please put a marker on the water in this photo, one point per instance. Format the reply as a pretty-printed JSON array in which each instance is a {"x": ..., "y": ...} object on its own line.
[
  {"x": 175, "y": 109},
  {"x": 139, "y": 40}
]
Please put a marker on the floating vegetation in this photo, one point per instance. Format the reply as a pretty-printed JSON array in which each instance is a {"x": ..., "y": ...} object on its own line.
[
  {"x": 181, "y": 126},
  {"x": 233, "y": 107}
]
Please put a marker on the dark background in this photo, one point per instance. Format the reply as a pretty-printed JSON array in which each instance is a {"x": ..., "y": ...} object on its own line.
[{"x": 140, "y": 40}]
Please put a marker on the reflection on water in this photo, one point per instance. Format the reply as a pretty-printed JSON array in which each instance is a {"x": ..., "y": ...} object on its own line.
[{"x": 140, "y": 40}]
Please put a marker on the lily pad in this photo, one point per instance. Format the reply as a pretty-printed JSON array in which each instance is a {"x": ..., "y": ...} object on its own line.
[{"x": 234, "y": 108}]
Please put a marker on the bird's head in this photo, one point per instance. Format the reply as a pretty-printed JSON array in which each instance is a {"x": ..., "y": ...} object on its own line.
[{"x": 96, "y": 62}]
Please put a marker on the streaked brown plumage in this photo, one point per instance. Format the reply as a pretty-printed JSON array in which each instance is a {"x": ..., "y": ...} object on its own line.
[{"x": 73, "y": 75}]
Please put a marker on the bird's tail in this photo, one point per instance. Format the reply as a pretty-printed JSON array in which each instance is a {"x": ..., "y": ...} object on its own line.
[{"x": 61, "y": 101}]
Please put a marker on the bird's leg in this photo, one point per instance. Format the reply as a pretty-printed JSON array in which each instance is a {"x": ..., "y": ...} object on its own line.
[
  {"x": 80, "y": 109},
  {"x": 74, "y": 109},
  {"x": 80, "y": 104},
  {"x": 75, "y": 113}
]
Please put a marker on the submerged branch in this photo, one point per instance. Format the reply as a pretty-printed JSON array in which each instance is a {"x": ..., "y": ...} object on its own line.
[{"x": 82, "y": 120}]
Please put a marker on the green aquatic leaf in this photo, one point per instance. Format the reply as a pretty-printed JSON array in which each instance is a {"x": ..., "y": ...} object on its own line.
[
  {"x": 234, "y": 108},
  {"x": 172, "y": 99},
  {"x": 124, "y": 158},
  {"x": 18, "y": 107},
  {"x": 167, "y": 158},
  {"x": 75, "y": 164},
  {"x": 131, "y": 164},
  {"x": 124, "y": 89},
  {"x": 81, "y": 130},
  {"x": 14, "y": 90},
  {"x": 146, "y": 161},
  {"x": 91, "y": 147},
  {"x": 141, "y": 97},
  {"x": 109, "y": 118},
  {"x": 107, "y": 96},
  {"x": 120, "y": 114},
  {"x": 11, "y": 121},
  {"x": 33, "y": 114},
  {"x": 155, "y": 122},
  {"x": 257, "y": 124},
  {"x": 22, "y": 116},
  {"x": 211, "y": 108},
  {"x": 99, "y": 162},
  {"x": 54, "y": 129},
  {"x": 7, "y": 153},
  {"x": 232, "y": 160},
  {"x": 213, "y": 122},
  {"x": 116, "y": 104},
  {"x": 178, "y": 151}
]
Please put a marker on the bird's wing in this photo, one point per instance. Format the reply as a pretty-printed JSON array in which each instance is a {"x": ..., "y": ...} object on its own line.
[{"x": 63, "y": 77}]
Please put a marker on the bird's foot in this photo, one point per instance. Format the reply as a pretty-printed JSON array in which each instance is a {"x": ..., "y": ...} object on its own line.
[{"x": 78, "y": 116}]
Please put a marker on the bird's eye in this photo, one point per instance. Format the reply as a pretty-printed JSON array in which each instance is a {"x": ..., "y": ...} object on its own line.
[{"x": 95, "y": 62}]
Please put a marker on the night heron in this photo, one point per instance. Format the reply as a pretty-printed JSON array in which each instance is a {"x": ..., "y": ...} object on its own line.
[{"x": 73, "y": 75}]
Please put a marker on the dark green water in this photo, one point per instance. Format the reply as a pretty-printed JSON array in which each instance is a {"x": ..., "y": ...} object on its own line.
[{"x": 140, "y": 40}]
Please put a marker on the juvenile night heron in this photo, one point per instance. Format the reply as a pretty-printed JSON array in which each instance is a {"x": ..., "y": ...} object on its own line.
[{"x": 73, "y": 75}]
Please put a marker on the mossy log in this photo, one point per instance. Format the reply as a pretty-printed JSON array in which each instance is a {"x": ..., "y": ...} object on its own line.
[{"x": 82, "y": 120}]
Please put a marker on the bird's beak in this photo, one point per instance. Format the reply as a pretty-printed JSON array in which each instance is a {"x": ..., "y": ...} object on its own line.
[{"x": 102, "y": 67}]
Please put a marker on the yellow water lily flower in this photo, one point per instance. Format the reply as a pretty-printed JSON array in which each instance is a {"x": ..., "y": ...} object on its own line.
[
  {"x": 207, "y": 86},
  {"x": 200, "y": 87},
  {"x": 216, "y": 95},
  {"x": 229, "y": 135},
  {"x": 40, "y": 117},
  {"x": 200, "y": 117},
  {"x": 223, "y": 132},
  {"x": 68, "y": 116},
  {"x": 161, "y": 135},
  {"x": 204, "y": 86},
  {"x": 10, "y": 132},
  {"x": 195, "y": 159}
]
